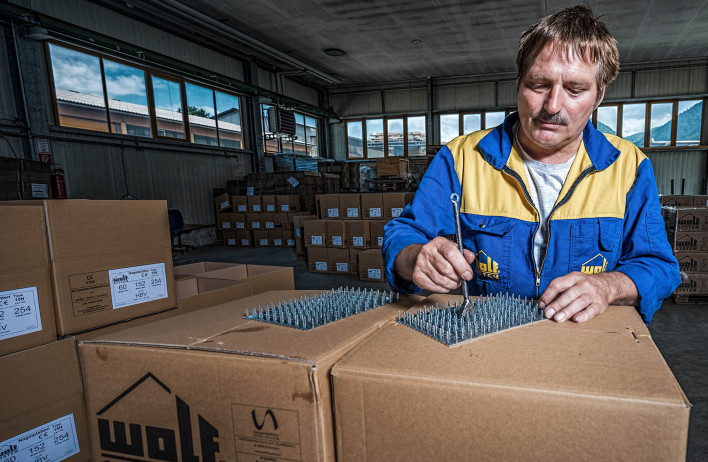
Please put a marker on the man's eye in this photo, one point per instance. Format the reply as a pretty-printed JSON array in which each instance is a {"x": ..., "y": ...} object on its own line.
[{"x": 575, "y": 91}]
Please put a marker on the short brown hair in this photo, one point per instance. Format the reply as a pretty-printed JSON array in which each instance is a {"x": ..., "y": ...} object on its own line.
[{"x": 580, "y": 32}]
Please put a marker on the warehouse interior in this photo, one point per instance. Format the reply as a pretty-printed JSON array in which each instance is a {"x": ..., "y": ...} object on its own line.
[{"x": 244, "y": 131}]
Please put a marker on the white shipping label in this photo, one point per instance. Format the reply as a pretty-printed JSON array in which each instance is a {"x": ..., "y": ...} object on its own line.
[
  {"x": 51, "y": 442},
  {"x": 231, "y": 241},
  {"x": 277, "y": 242},
  {"x": 245, "y": 242},
  {"x": 40, "y": 190},
  {"x": 297, "y": 232},
  {"x": 291, "y": 242},
  {"x": 19, "y": 314},
  {"x": 293, "y": 182},
  {"x": 226, "y": 224},
  {"x": 321, "y": 265},
  {"x": 256, "y": 207},
  {"x": 270, "y": 208},
  {"x": 375, "y": 212},
  {"x": 270, "y": 224},
  {"x": 137, "y": 284},
  {"x": 352, "y": 212},
  {"x": 264, "y": 242},
  {"x": 374, "y": 273},
  {"x": 332, "y": 213},
  {"x": 224, "y": 204},
  {"x": 316, "y": 240},
  {"x": 380, "y": 241},
  {"x": 284, "y": 207},
  {"x": 240, "y": 225},
  {"x": 242, "y": 208},
  {"x": 249, "y": 191},
  {"x": 358, "y": 241},
  {"x": 336, "y": 240},
  {"x": 396, "y": 211},
  {"x": 342, "y": 267}
]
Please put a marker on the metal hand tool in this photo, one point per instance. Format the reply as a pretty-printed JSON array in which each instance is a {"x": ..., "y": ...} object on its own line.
[{"x": 467, "y": 307}]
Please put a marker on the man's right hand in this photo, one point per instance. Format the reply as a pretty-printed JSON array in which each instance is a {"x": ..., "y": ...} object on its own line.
[{"x": 437, "y": 266}]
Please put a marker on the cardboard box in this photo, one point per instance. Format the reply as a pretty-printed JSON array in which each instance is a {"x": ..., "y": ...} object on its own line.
[
  {"x": 275, "y": 237},
  {"x": 43, "y": 412},
  {"x": 128, "y": 324},
  {"x": 349, "y": 207},
  {"x": 354, "y": 260},
  {"x": 281, "y": 220},
  {"x": 222, "y": 203},
  {"x": 371, "y": 266},
  {"x": 693, "y": 262},
  {"x": 377, "y": 233},
  {"x": 224, "y": 220},
  {"x": 244, "y": 237},
  {"x": 693, "y": 284},
  {"x": 393, "y": 204},
  {"x": 268, "y": 203},
  {"x": 300, "y": 249},
  {"x": 288, "y": 238},
  {"x": 239, "y": 220},
  {"x": 683, "y": 200},
  {"x": 254, "y": 204},
  {"x": 240, "y": 203},
  {"x": 372, "y": 205},
  {"x": 700, "y": 200},
  {"x": 237, "y": 389},
  {"x": 287, "y": 203},
  {"x": 195, "y": 293},
  {"x": 260, "y": 238},
  {"x": 687, "y": 218},
  {"x": 696, "y": 241},
  {"x": 268, "y": 220},
  {"x": 229, "y": 238},
  {"x": 298, "y": 223},
  {"x": 338, "y": 261},
  {"x": 335, "y": 233},
  {"x": 261, "y": 277},
  {"x": 329, "y": 206},
  {"x": 111, "y": 261},
  {"x": 392, "y": 166},
  {"x": 496, "y": 397},
  {"x": 254, "y": 220},
  {"x": 24, "y": 179},
  {"x": 317, "y": 260},
  {"x": 314, "y": 233},
  {"x": 358, "y": 234},
  {"x": 26, "y": 300},
  {"x": 190, "y": 269}
]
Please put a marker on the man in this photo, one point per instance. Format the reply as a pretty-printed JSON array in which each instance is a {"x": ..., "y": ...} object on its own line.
[{"x": 550, "y": 207}]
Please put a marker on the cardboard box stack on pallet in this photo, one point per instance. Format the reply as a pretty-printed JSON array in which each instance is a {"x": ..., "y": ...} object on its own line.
[
  {"x": 348, "y": 235},
  {"x": 24, "y": 179},
  {"x": 686, "y": 218},
  {"x": 79, "y": 269},
  {"x": 349, "y": 173}
]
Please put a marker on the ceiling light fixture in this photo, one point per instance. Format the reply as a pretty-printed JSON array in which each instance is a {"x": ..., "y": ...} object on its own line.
[{"x": 333, "y": 51}]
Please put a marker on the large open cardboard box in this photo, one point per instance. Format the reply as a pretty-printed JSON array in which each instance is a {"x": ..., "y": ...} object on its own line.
[
  {"x": 261, "y": 277},
  {"x": 545, "y": 391},
  {"x": 195, "y": 293},
  {"x": 214, "y": 386}
]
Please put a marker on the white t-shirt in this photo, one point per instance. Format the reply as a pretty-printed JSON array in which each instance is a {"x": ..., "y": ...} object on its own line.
[{"x": 545, "y": 182}]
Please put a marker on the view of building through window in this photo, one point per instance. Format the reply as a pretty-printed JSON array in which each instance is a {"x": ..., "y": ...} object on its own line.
[
  {"x": 399, "y": 136},
  {"x": 305, "y": 141}
]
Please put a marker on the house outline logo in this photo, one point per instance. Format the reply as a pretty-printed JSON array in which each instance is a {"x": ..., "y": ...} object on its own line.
[
  {"x": 687, "y": 263},
  {"x": 596, "y": 264},
  {"x": 150, "y": 442},
  {"x": 486, "y": 267}
]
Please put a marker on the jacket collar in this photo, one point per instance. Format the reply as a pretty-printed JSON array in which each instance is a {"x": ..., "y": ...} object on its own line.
[{"x": 496, "y": 145}]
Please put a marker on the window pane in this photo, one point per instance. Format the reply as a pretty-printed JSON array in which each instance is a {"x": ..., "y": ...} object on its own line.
[
  {"x": 270, "y": 144},
  {"x": 449, "y": 127},
  {"x": 471, "y": 123},
  {"x": 354, "y": 139},
  {"x": 660, "y": 129},
  {"x": 311, "y": 136},
  {"x": 688, "y": 130},
  {"x": 633, "y": 116},
  {"x": 127, "y": 99},
  {"x": 228, "y": 120},
  {"x": 168, "y": 107},
  {"x": 79, "y": 90},
  {"x": 395, "y": 137},
  {"x": 374, "y": 138},
  {"x": 607, "y": 119},
  {"x": 200, "y": 109},
  {"x": 416, "y": 136},
  {"x": 492, "y": 119}
]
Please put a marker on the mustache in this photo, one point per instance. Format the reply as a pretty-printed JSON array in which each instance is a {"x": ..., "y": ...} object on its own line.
[{"x": 544, "y": 116}]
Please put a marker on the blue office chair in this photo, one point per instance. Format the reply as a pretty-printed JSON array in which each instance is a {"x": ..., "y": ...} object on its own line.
[{"x": 176, "y": 231}]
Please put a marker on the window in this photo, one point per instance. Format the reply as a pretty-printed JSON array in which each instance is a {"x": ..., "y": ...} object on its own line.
[
  {"x": 493, "y": 118},
  {"x": 471, "y": 123},
  {"x": 633, "y": 123},
  {"x": 98, "y": 93},
  {"x": 688, "y": 125},
  {"x": 607, "y": 119},
  {"x": 449, "y": 127},
  {"x": 304, "y": 142},
  {"x": 397, "y": 136},
  {"x": 660, "y": 126}
]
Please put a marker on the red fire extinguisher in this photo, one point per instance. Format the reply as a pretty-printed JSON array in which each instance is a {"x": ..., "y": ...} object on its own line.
[{"x": 58, "y": 184}]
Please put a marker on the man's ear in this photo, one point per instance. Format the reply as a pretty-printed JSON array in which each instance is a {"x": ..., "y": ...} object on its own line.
[{"x": 600, "y": 97}]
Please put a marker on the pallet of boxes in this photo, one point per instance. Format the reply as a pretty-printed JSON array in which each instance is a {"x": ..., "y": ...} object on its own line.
[
  {"x": 346, "y": 236},
  {"x": 686, "y": 218}
]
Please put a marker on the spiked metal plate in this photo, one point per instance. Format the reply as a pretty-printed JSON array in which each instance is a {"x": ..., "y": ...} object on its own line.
[
  {"x": 491, "y": 314},
  {"x": 310, "y": 311}
]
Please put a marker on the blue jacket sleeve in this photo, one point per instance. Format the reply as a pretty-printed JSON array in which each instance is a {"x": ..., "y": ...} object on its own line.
[
  {"x": 428, "y": 216},
  {"x": 647, "y": 257}
]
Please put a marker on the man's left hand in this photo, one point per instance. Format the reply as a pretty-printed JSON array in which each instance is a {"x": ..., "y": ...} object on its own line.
[{"x": 581, "y": 297}]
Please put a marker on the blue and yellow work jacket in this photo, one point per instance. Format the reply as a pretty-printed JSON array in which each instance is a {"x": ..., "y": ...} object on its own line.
[{"x": 607, "y": 217}]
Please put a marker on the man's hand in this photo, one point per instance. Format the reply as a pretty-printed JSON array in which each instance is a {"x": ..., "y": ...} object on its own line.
[
  {"x": 437, "y": 266},
  {"x": 581, "y": 297}
]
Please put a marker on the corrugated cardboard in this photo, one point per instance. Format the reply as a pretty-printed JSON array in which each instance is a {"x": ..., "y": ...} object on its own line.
[
  {"x": 288, "y": 238},
  {"x": 254, "y": 204},
  {"x": 268, "y": 220},
  {"x": 693, "y": 284},
  {"x": 88, "y": 241},
  {"x": 43, "y": 403},
  {"x": 287, "y": 203},
  {"x": 191, "y": 269},
  {"x": 335, "y": 233},
  {"x": 300, "y": 249},
  {"x": 350, "y": 207},
  {"x": 240, "y": 203},
  {"x": 694, "y": 262},
  {"x": 252, "y": 391},
  {"x": 393, "y": 204},
  {"x": 275, "y": 237},
  {"x": 240, "y": 220},
  {"x": 676, "y": 200},
  {"x": 314, "y": 233},
  {"x": 261, "y": 277},
  {"x": 130, "y": 323},
  {"x": 354, "y": 260},
  {"x": 317, "y": 260},
  {"x": 195, "y": 293},
  {"x": 546, "y": 391},
  {"x": 358, "y": 234},
  {"x": 222, "y": 203},
  {"x": 371, "y": 266},
  {"x": 244, "y": 237},
  {"x": 268, "y": 203},
  {"x": 372, "y": 206},
  {"x": 26, "y": 300},
  {"x": 298, "y": 223},
  {"x": 696, "y": 241},
  {"x": 254, "y": 220},
  {"x": 687, "y": 218},
  {"x": 224, "y": 220},
  {"x": 229, "y": 238},
  {"x": 338, "y": 261},
  {"x": 329, "y": 206},
  {"x": 377, "y": 233},
  {"x": 260, "y": 237}
]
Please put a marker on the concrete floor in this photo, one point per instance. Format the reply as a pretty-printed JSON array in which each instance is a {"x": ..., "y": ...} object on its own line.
[{"x": 679, "y": 331}]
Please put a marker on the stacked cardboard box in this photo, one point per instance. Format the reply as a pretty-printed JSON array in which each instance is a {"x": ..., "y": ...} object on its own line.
[
  {"x": 24, "y": 179},
  {"x": 259, "y": 220}
]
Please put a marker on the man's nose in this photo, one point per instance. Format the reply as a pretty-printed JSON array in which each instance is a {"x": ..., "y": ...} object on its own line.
[{"x": 553, "y": 103}]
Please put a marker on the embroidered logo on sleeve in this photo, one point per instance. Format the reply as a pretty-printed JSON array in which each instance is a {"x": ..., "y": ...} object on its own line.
[
  {"x": 596, "y": 264},
  {"x": 486, "y": 267}
]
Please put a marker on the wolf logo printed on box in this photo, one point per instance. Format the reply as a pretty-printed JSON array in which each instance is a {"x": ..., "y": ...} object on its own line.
[
  {"x": 162, "y": 429},
  {"x": 596, "y": 264}
]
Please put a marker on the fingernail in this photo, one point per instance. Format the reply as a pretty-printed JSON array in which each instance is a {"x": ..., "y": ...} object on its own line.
[
  {"x": 560, "y": 317},
  {"x": 541, "y": 305},
  {"x": 549, "y": 313},
  {"x": 467, "y": 276}
]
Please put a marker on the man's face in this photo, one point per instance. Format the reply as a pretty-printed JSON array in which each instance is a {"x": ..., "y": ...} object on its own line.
[{"x": 556, "y": 98}]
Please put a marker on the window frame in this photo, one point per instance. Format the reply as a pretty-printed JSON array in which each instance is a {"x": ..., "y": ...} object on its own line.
[
  {"x": 281, "y": 141},
  {"x": 385, "y": 119}
]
